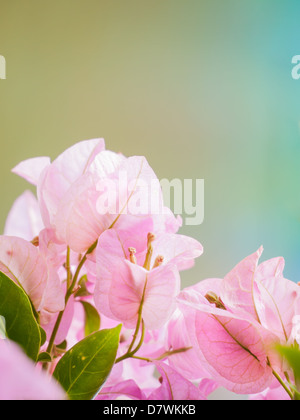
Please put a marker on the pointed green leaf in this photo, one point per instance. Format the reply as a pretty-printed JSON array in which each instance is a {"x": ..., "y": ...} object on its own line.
[
  {"x": 92, "y": 318},
  {"x": 292, "y": 355},
  {"x": 82, "y": 290},
  {"x": 44, "y": 357},
  {"x": 84, "y": 368},
  {"x": 43, "y": 336},
  {"x": 62, "y": 346},
  {"x": 16, "y": 309}
]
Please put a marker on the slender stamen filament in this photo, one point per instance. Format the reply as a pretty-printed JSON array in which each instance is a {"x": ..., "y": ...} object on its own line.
[
  {"x": 132, "y": 257},
  {"x": 158, "y": 261},
  {"x": 147, "y": 263}
]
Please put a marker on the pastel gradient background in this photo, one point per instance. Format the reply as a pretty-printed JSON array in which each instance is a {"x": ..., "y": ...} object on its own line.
[{"x": 203, "y": 89}]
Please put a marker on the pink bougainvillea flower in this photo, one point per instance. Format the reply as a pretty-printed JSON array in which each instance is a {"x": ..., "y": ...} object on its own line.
[
  {"x": 87, "y": 190},
  {"x": 263, "y": 292},
  {"x": 132, "y": 284},
  {"x": 54, "y": 179},
  {"x": 24, "y": 264},
  {"x": 99, "y": 204},
  {"x": 177, "y": 249},
  {"x": 189, "y": 363},
  {"x": 278, "y": 307},
  {"x": 174, "y": 386},
  {"x": 239, "y": 286},
  {"x": 233, "y": 323},
  {"x": 234, "y": 348},
  {"x": 78, "y": 221},
  {"x": 115, "y": 246},
  {"x": 21, "y": 380},
  {"x": 24, "y": 219},
  {"x": 186, "y": 363},
  {"x": 59, "y": 176}
]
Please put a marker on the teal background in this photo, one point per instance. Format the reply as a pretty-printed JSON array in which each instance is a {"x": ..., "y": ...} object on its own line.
[{"x": 203, "y": 89}]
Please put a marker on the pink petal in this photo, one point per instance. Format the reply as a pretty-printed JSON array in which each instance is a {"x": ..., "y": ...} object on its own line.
[
  {"x": 106, "y": 163},
  {"x": 178, "y": 249},
  {"x": 78, "y": 206},
  {"x": 64, "y": 325},
  {"x": 20, "y": 380},
  {"x": 23, "y": 263},
  {"x": 128, "y": 389},
  {"x": 186, "y": 363},
  {"x": 174, "y": 386},
  {"x": 77, "y": 222},
  {"x": 82, "y": 205},
  {"x": 277, "y": 305},
  {"x": 235, "y": 348},
  {"x": 53, "y": 251},
  {"x": 31, "y": 169},
  {"x": 62, "y": 173},
  {"x": 207, "y": 386},
  {"x": 270, "y": 268},
  {"x": 274, "y": 393},
  {"x": 141, "y": 372},
  {"x": 111, "y": 250},
  {"x": 24, "y": 219},
  {"x": 126, "y": 291},
  {"x": 239, "y": 285}
]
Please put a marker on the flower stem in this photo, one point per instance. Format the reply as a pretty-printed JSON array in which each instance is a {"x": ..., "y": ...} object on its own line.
[
  {"x": 68, "y": 268},
  {"x": 286, "y": 388},
  {"x": 131, "y": 353},
  {"x": 69, "y": 291},
  {"x": 140, "y": 321}
]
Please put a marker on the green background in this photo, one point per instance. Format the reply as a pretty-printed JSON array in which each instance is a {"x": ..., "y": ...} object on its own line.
[{"x": 203, "y": 89}]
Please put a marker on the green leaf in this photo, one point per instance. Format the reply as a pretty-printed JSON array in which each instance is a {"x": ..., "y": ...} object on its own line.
[
  {"x": 296, "y": 396},
  {"x": 44, "y": 357},
  {"x": 92, "y": 319},
  {"x": 62, "y": 346},
  {"x": 292, "y": 355},
  {"x": 21, "y": 325},
  {"x": 2, "y": 327},
  {"x": 84, "y": 368},
  {"x": 43, "y": 336},
  {"x": 82, "y": 291}
]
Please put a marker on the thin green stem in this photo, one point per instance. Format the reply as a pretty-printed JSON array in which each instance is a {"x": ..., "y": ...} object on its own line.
[
  {"x": 162, "y": 356},
  {"x": 68, "y": 268},
  {"x": 171, "y": 352},
  {"x": 141, "y": 339},
  {"x": 75, "y": 278},
  {"x": 54, "y": 332},
  {"x": 69, "y": 292},
  {"x": 135, "y": 334},
  {"x": 139, "y": 320},
  {"x": 129, "y": 354},
  {"x": 286, "y": 388},
  {"x": 145, "y": 359}
]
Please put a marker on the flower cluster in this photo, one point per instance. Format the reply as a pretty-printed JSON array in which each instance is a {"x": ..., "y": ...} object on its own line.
[{"x": 101, "y": 271}]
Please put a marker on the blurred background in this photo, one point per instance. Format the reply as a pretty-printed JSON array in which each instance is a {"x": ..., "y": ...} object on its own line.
[{"x": 202, "y": 88}]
